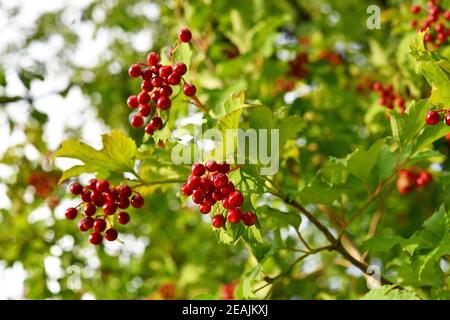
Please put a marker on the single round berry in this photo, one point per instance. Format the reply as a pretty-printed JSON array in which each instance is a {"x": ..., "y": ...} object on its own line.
[
  {"x": 198, "y": 196},
  {"x": 218, "y": 221},
  {"x": 71, "y": 213},
  {"x": 165, "y": 91},
  {"x": 226, "y": 203},
  {"x": 413, "y": 23},
  {"x": 134, "y": 71},
  {"x": 137, "y": 201},
  {"x": 377, "y": 86},
  {"x": 185, "y": 35},
  {"x": 153, "y": 58},
  {"x": 144, "y": 110},
  {"x": 206, "y": 185},
  {"x": 415, "y": 9},
  {"x": 76, "y": 188},
  {"x": 211, "y": 166},
  {"x": 186, "y": 190},
  {"x": 220, "y": 180},
  {"x": 123, "y": 203},
  {"x": 209, "y": 200},
  {"x": 235, "y": 199},
  {"x": 174, "y": 79},
  {"x": 432, "y": 118},
  {"x": 156, "y": 123},
  {"x": 133, "y": 102},
  {"x": 155, "y": 96},
  {"x": 234, "y": 215},
  {"x": 157, "y": 81},
  {"x": 112, "y": 195},
  {"x": 123, "y": 217},
  {"x": 95, "y": 238},
  {"x": 99, "y": 225},
  {"x": 223, "y": 168},
  {"x": 125, "y": 191},
  {"x": 400, "y": 102},
  {"x": 163, "y": 103},
  {"x": 180, "y": 68},
  {"x": 92, "y": 184},
  {"x": 147, "y": 75},
  {"x": 428, "y": 37},
  {"x": 102, "y": 185},
  {"x": 89, "y": 209},
  {"x": 86, "y": 196},
  {"x": 146, "y": 86},
  {"x": 165, "y": 71},
  {"x": 81, "y": 226},
  {"x": 229, "y": 188},
  {"x": 111, "y": 234},
  {"x": 249, "y": 218},
  {"x": 149, "y": 129},
  {"x": 193, "y": 182},
  {"x": 136, "y": 121},
  {"x": 198, "y": 169},
  {"x": 447, "y": 119},
  {"x": 88, "y": 223},
  {"x": 424, "y": 179},
  {"x": 189, "y": 90},
  {"x": 109, "y": 208},
  {"x": 143, "y": 97},
  {"x": 447, "y": 15},
  {"x": 205, "y": 209}
]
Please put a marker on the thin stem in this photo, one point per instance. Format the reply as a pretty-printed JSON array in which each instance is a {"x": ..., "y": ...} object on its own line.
[{"x": 198, "y": 103}]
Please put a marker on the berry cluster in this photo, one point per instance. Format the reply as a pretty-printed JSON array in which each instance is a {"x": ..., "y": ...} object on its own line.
[
  {"x": 298, "y": 68},
  {"x": 99, "y": 193},
  {"x": 436, "y": 32},
  {"x": 433, "y": 117},
  {"x": 410, "y": 179},
  {"x": 209, "y": 184},
  {"x": 330, "y": 56},
  {"x": 388, "y": 97},
  {"x": 44, "y": 183},
  {"x": 156, "y": 87}
]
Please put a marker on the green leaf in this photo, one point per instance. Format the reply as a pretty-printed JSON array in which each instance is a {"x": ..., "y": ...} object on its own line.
[
  {"x": 389, "y": 293},
  {"x": 117, "y": 156},
  {"x": 5, "y": 99},
  {"x": 360, "y": 163},
  {"x": 289, "y": 127},
  {"x": 383, "y": 244},
  {"x": 183, "y": 54}
]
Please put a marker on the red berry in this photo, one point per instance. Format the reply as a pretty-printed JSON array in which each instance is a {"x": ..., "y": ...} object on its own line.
[
  {"x": 81, "y": 226},
  {"x": 189, "y": 90},
  {"x": 123, "y": 217},
  {"x": 432, "y": 118},
  {"x": 413, "y": 23},
  {"x": 89, "y": 209},
  {"x": 218, "y": 221},
  {"x": 137, "y": 201},
  {"x": 218, "y": 196},
  {"x": 186, "y": 190},
  {"x": 134, "y": 71},
  {"x": 400, "y": 102},
  {"x": 102, "y": 185},
  {"x": 125, "y": 191},
  {"x": 428, "y": 37},
  {"x": 99, "y": 225},
  {"x": 235, "y": 199},
  {"x": 434, "y": 11},
  {"x": 112, "y": 195},
  {"x": 226, "y": 203},
  {"x": 163, "y": 103},
  {"x": 165, "y": 91},
  {"x": 86, "y": 196},
  {"x": 92, "y": 184},
  {"x": 157, "y": 81},
  {"x": 143, "y": 97},
  {"x": 153, "y": 58},
  {"x": 204, "y": 209},
  {"x": 211, "y": 166},
  {"x": 424, "y": 179},
  {"x": 133, "y": 102},
  {"x": 229, "y": 188},
  {"x": 165, "y": 71},
  {"x": 147, "y": 75},
  {"x": 123, "y": 203},
  {"x": 249, "y": 218},
  {"x": 109, "y": 208},
  {"x": 180, "y": 68},
  {"x": 136, "y": 121},
  {"x": 88, "y": 223},
  {"x": 149, "y": 129},
  {"x": 193, "y": 182},
  {"x": 223, "y": 168},
  {"x": 95, "y": 238},
  {"x": 447, "y": 15},
  {"x": 111, "y": 234},
  {"x": 447, "y": 119},
  {"x": 156, "y": 123},
  {"x": 144, "y": 110},
  {"x": 185, "y": 35},
  {"x": 198, "y": 196},
  {"x": 76, "y": 188},
  {"x": 209, "y": 201},
  {"x": 220, "y": 180},
  {"x": 415, "y": 9},
  {"x": 146, "y": 85},
  {"x": 377, "y": 86},
  {"x": 174, "y": 79},
  {"x": 198, "y": 169},
  {"x": 206, "y": 185},
  {"x": 155, "y": 96},
  {"x": 71, "y": 213},
  {"x": 234, "y": 215}
]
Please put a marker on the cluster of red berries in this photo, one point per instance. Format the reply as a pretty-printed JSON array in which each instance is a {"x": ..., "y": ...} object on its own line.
[
  {"x": 44, "y": 183},
  {"x": 433, "y": 117},
  {"x": 410, "y": 179},
  {"x": 99, "y": 193},
  {"x": 330, "y": 56},
  {"x": 156, "y": 87},
  {"x": 433, "y": 24},
  {"x": 298, "y": 67},
  {"x": 209, "y": 184},
  {"x": 388, "y": 97}
]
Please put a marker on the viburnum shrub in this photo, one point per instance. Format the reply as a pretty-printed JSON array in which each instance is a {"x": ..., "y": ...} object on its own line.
[{"x": 100, "y": 203}]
